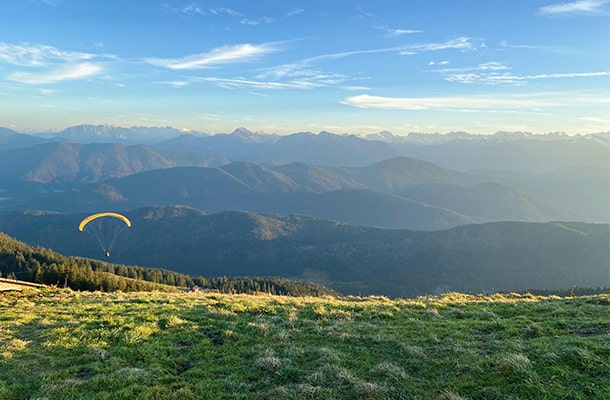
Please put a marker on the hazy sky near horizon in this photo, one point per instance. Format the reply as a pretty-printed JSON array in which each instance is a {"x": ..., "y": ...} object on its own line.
[{"x": 290, "y": 66}]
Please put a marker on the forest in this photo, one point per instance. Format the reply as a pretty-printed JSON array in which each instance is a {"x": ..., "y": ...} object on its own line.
[{"x": 40, "y": 265}]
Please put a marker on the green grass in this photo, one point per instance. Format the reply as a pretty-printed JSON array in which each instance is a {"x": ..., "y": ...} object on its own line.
[{"x": 75, "y": 345}]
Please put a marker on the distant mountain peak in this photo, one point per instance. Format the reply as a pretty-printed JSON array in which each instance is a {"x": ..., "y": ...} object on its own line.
[
  {"x": 246, "y": 135},
  {"x": 89, "y": 133},
  {"x": 241, "y": 131},
  {"x": 512, "y": 135},
  {"x": 382, "y": 135}
]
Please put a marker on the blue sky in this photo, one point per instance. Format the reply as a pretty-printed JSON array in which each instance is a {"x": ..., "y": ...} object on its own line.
[{"x": 290, "y": 66}]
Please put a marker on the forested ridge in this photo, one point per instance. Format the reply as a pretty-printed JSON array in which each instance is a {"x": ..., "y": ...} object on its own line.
[
  {"x": 42, "y": 265},
  {"x": 353, "y": 260}
]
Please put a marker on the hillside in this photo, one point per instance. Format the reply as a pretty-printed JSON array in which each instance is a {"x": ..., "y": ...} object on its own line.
[
  {"x": 201, "y": 346},
  {"x": 503, "y": 256},
  {"x": 43, "y": 266},
  {"x": 7, "y": 285},
  {"x": 39, "y": 265}
]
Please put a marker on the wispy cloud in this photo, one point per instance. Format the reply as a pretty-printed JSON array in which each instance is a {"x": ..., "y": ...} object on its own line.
[
  {"x": 497, "y": 102},
  {"x": 461, "y": 43},
  {"x": 255, "y": 22},
  {"x": 47, "y": 64},
  {"x": 504, "y": 43},
  {"x": 394, "y": 32},
  {"x": 564, "y": 50},
  {"x": 302, "y": 72},
  {"x": 37, "y": 55},
  {"x": 496, "y": 73},
  {"x": 222, "y": 55},
  {"x": 249, "y": 83},
  {"x": 176, "y": 84},
  {"x": 62, "y": 73},
  {"x": 426, "y": 103},
  {"x": 597, "y": 120},
  {"x": 304, "y": 80},
  {"x": 192, "y": 9},
  {"x": 307, "y": 69},
  {"x": 51, "y": 3},
  {"x": 400, "y": 32},
  {"x": 496, "y": 78},
  {"x": 356, "y": 88},
  {"x": 488, "y": 66},
  {"x": 226, "y": 11},
  {"x": 295, "y": 12},
  {"x": 188, "y": 10},
  {"x": 242, "y": 18},
  {"x": 301, "y": 80},
  {"x": 587, "y": 7}
]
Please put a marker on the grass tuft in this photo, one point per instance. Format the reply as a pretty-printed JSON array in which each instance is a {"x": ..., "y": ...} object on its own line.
[
  {"x": 450, "y": 395},
  {"x": 269, "y": 362},
  {"x": 514, "y": 362}
]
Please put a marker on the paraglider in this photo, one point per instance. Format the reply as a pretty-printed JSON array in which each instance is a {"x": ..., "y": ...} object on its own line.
[
  {"x": 92, "y": 217},
  {"x": 106, "y": 227}
]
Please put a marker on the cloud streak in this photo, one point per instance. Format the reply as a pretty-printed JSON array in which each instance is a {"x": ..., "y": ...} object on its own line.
[
  {"x": 587, "y": 7},
  {"x": 461, "y": 43},
  {"x": 495, "y": 78},
  {"x": 63, "y": 73},
  {"x": 400, "y": 32},
  {"x": 28, "y": 55},
  {"x": 294, "y": 12},
  {"x": 248, "y": 83},
  {"x": 472, "y": 103},
  {"x": 304, "y": 67},
  {"x": 226, "y": 11},
  {"x": 222, "y": 55},
  {"x": 390, "y": 32},
  {"x": 43, "y": 64},
  {"x": 192, "y": 9}
]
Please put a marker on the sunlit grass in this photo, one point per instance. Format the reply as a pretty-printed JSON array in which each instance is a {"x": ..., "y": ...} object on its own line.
[{"x": 71, "y": 345}]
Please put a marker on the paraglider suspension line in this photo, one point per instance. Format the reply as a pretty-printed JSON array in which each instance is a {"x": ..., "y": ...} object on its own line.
[{"x": 114, "y": 238}]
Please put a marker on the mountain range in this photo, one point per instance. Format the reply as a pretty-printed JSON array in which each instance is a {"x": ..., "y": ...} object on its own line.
[
  {"x": 572, "y": 172},
  {"x": 363, "y": 214},
  {"x": 520, "y": 151},
  {"x": 398, "y": 193}
]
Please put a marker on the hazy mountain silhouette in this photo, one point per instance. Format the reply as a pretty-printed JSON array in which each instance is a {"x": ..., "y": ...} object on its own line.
[
  {"x": 487, "y": 202},
  {"x": 61, "y": 162},
  {"x": 10, "y": 140},
  {"x": 523, "y": 176},
  {"x": 381, "y": 195}
]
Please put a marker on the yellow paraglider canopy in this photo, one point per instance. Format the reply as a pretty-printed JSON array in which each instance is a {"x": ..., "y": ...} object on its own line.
[{"x": 90, "y": 218}]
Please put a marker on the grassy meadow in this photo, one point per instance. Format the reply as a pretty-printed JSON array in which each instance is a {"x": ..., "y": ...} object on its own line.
[{"x": 61, "y": 344}]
